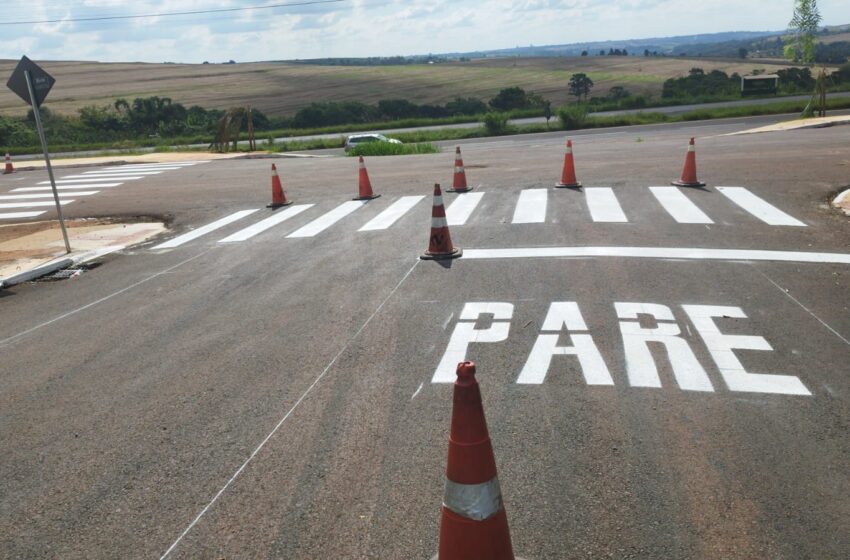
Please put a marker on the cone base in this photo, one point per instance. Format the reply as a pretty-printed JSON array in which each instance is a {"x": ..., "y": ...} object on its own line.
[
  {"x": 684, "y": 184},
  {"x": 456, "y": 253},
  {"x": 568, "y": 185},
  {"x": 459, "y": 190},
  {"x": 366, "y": 197},
  {"x": 274, "y": 205}
]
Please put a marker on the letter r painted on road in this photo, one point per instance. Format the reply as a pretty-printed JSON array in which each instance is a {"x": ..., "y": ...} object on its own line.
[
  {"x": 564, "y": 314},
  {"x": 465, "y": 333},
  {"x": 640, "y": 365},
  {"x": 721, "y": 345}
]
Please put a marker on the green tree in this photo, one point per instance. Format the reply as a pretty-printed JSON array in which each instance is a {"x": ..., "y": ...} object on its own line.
[
  {"x": 800, "y": 47},
  {"x": 742, "y": 52},
  {"x": 580, "y": 85},
  {"x": 510, "y": 98}
]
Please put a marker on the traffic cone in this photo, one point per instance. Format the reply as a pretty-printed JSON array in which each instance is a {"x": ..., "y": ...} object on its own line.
[
  {"x": 278, "y": 196},
  {"x": 459, "y": 184},
  {"x": 9, "y": 168},
  {"x": 568, "y": 175},
  {"x": 440, "y": 245},
  {"x": 473, "y": 524},
  {"x": 365, "y": 185},
  {"x": 689, "y": 171}
]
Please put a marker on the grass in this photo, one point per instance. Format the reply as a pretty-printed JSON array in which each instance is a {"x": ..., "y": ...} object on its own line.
[{"x": 391, "y": 149}]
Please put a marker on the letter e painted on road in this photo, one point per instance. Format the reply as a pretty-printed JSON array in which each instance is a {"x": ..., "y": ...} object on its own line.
[
  {"x": 564, "y": 314},
  {"x": 721, "y": 345},
  {"x": 640, "y": 365},
  {"x": 465, "y": 333}
]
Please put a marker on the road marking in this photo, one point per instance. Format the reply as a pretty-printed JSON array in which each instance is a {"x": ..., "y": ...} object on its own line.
[
  {"x": 679, "y": 206},
  {"x": 185, "y": 238},
  {"x": 658, "y": 253},
  {"x": 6, "y": 205},
  {"x": 459, "y": 211},
  {"x": 759, "y": 207},
  {"x": 263, "y": 225},
  {"x": 114, "y": 173},
  {"x": 122, "y": 176},
  {"x": 325, "y": 221},
  {"x": 285, "y": 416},
  {"x": 69, "y": 187},
  {"x": 89, "y": 180},
  {"x": 603, "y": 205},
  {"x": 392, "y": 214},
  {"x": 465, "y": 334},
  {"x": 15, "y": 215},
  {"x": 531, "y": 207},
  {"x": 143, "y": 167},
  {"x": 29, "y": 196}
]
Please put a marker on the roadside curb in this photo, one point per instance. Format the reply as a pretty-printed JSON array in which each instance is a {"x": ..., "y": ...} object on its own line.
[
  {"x": 55, "y": 265},
  {"x": 842, "y": 202}
]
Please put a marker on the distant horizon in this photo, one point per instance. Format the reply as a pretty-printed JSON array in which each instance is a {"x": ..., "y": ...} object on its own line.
[{"x": 319, "y": 29}]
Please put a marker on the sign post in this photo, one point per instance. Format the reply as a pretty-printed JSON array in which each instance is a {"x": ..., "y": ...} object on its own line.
[{"x": 32, "y": 84}]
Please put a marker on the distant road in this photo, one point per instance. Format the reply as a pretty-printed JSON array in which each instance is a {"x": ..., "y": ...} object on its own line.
[{"x": 672, "y": 110}]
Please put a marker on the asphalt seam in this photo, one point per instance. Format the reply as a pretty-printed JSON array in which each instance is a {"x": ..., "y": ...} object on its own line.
[{"x": 288, "y": 414}]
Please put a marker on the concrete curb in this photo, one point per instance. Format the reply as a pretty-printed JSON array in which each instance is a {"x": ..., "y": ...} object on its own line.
[
  {"x": 58, "y": 264},
  {"x": 842, "y": 202}
]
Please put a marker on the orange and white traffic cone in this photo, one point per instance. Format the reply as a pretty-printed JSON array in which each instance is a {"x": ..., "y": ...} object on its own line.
[
  {"x": 473, "y": 525},
  {"x": 9, "y": 167},
  {"x": 278, "y": 196},
  {"x": 459, "y": 183},
  {"x": 568, "y": 175},
  {"x": 689, "y": 171},
  {"x": 440, "y": 245},
  {"x": 365, "y": 185}
]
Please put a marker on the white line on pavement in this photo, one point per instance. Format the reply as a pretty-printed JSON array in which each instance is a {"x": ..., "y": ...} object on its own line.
[
  {"x": 679, "y": 206},
  {"x": 109, "y": 177},
  {"x": 186, "y": 237},
  {"x": 33, "y": 204},
  {"x": 759, "y": 207},
  {"x": 395, "y": 211},
  {"x": 658, "y": 253},
  {"x": 603, "y": 205},
  {"x": 69, "y": 187},
  {"x": 325, "y": 221},
  {"x": 15, "y": 215},
  {"x": 113, "y": 173},
  {"x": 263, "y": 225},
  {"x": 531, "y": 207},
  {"x": 31, "y": 196},
  {"x": 461, "y": 209},
  {"x": 88, "y": 180}
]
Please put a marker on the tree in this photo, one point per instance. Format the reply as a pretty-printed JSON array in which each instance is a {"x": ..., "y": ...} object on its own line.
[
  {"x": 510, "y": 98},
  {"x": 617, "y": 93},
  {"x": 800, "y": 46},
  {"x": 602, "y": 52},
  {"x": 583, "y": 53},
  {"x": 645, "y": 52},
  {"x": 742, "y": 52},
  {"x": 580, "y": 85}
]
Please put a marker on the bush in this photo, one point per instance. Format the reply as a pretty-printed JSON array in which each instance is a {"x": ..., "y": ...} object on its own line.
[
  {"x": 496, "y": 123},
  {"x": 510, "y": 98},
  {"x": 392, "y": 149},
  {"x": 573, "y": 116}
]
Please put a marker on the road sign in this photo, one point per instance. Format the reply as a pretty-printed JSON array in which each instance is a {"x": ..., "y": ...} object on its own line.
[{"x": 42, "y": 82}]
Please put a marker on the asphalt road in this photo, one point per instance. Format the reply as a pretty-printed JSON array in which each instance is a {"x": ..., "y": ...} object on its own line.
[{"x": 274, "y": 397}]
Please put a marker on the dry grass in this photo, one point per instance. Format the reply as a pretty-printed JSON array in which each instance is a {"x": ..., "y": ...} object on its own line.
[{"x": 283, "y": 88}]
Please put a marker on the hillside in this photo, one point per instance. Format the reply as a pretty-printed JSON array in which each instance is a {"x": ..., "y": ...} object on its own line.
[{"x": 283, "y": 88}]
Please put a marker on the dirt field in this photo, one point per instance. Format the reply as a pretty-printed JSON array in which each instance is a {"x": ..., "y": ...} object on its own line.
[{"x": 283, "y": 88}]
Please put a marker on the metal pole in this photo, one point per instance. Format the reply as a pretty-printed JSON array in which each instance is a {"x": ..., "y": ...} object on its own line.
[{"x": 47, "y": 160}]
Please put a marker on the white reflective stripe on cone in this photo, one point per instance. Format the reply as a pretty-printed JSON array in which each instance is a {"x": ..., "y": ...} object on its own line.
[
  {"x": 458, "y": 169},
  {"x": 438, "y": 200},
  {"x": 439, "y": 223},
  {"x": 474, "y": 501}
]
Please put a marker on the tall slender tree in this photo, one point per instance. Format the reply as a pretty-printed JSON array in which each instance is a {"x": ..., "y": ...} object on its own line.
[{"x": 804, "y": 24}]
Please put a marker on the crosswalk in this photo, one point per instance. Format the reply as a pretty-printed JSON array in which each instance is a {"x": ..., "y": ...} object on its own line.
[
  {"x": 38, "y": 198},
  {"x": 531, "y": 206}
]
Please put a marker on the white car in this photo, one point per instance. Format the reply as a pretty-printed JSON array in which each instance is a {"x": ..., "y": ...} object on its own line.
[{"x": 355, "y": 139}]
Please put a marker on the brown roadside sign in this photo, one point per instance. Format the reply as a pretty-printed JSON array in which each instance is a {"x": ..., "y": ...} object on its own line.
[{"x": 42, "y": 82}]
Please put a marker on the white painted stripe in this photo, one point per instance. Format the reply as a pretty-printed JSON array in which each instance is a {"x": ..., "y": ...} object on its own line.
[
  {"x": 261, "y": 226},
  {"x": 759, "y": 207},
  {"x": 185, "y": 238},
  {"x": 69, "y": 187},
  {"x": 531, "y": 207},
  {"x": 121, "y": 176},
  {"x": 658, "y": 253},
  {"x": 680, "y": 206},
  {"x": 392, "y": 214},
  {"x": 603, "y": 205},
  {"x": 14, "y": 215},
  {"x": 31, "y": 196},
  {"x": 149, "y": 166},
  {"x": 322, "y": 223},
  {"x": 39, "y": 204},
  {"x": 89, "y": 180},
  {"x": 459, "y": 211},
  {"x": 114, "y": 173}
]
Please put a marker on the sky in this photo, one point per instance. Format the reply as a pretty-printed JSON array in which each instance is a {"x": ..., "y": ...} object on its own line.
[{"x": 358, "y": 28}]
